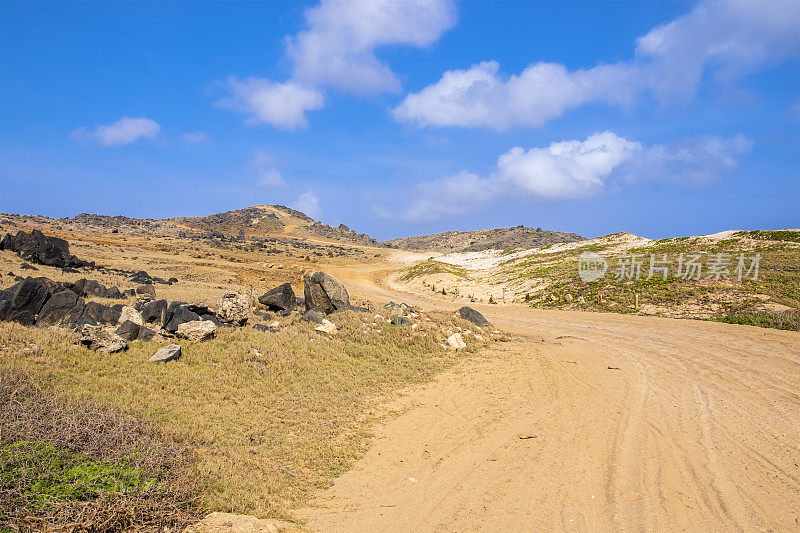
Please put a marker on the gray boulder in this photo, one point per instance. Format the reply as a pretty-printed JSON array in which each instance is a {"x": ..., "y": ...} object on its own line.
[
  {"x": 281, "y": 298},
  {"x": 323, "y": 292},
  {"x": 167, "y": 353},
  {"x": 101, "y": 339},
  {"x": 471, "y": 315},
  {"x": 234, "y": 308}
]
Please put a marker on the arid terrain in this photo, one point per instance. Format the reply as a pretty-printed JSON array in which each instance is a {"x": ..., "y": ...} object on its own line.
[{"x": 578, "y": 408}]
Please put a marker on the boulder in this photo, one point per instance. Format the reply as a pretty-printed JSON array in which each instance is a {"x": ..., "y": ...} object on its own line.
[
  {"x": 153, "y": 311},
  {"x": 176, "y": 314},
  {"x": 23, "y": 301},
  {"x": 167, "y": 353},
  {"x": 281, "y": 298},
  {"x": 234, "y": 308},
  {"x": 129, "y": 313},
  {"x": 324, "y": 292},
  {"x": 314, "y": 316},
  {"x": 39, "y": 248},
  {"x": 101, "y": 339},
  {"x": 471, "y": 315},
  {"x": 456, "y": 341},
  {"x": 197, "y": 330},
  {"x": 95, "y": 313},
  {"x": 128, "y": 330},
  {"x": 64, "y": 308}
]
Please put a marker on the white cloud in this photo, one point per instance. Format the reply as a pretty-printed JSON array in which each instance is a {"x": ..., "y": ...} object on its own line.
[
  {"x": 576, "y": 169},
  {"x": 281, "y": 104},
  {"x": 338, "y": 49},
  {"x": 124, "y": 131},
  {"x": 308, "y": 203},
  {"x": 729, "y": 38},
  {"x": 194, "y": 138},
  {"x": 268, "y": 174}
]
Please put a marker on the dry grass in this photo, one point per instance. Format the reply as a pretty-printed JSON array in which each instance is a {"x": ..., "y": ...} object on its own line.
[
  {"x": 74, "y": 465},
  {"x": 273, "y": 416}
]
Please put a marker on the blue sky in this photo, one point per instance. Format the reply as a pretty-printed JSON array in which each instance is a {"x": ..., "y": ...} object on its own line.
[{"x": 408, "y": 117}]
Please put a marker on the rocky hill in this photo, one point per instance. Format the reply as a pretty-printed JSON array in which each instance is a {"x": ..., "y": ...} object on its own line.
[
  {"x": 259, "y": 221},
  {"x": 475, "y": 241}
]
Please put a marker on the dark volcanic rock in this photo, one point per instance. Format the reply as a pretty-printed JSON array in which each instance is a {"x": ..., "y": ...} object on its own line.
[
  {"x": 176, "y": 314},
  {"x": 95, "y": 313},
  {"x": 264, "y": 328},
  {"x": 39, "y": 248},
  {"x": 23, "y": 301},
  {"x": 153, "y": 311},
  {"x": 324, "y": 292},
  {"x": 131, "y": 331},
  {"x": 281, "y": 298},
  {"x": 471, "y": 315},
  {"x": 62, "y": 309}
]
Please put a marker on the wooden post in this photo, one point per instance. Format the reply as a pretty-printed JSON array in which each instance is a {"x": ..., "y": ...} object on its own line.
[{"x": 635, "y": 302}]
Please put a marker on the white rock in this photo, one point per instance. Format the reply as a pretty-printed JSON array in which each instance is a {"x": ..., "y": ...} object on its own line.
[
  {"x": 129, "y": 313},
  {"x": 197, "y": 330},
  {"x": 456, "y": 341},
  {"x": 326, "y": 327}
]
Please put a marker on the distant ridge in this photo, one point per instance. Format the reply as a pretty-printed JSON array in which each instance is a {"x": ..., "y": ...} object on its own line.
[{"x": 475, "y": 241}]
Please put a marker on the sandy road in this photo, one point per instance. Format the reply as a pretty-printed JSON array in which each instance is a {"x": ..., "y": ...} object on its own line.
[{"x": 696, "y": 428}]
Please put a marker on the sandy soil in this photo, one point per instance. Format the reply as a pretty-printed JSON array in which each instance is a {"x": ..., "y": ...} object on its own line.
[{"x": 586, "y": 422}]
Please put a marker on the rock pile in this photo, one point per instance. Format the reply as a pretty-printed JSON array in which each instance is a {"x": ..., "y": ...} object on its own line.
[{"x": 39, "y": 248}]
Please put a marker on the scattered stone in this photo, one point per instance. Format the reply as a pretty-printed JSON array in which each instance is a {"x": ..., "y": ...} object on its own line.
[
  {"x": 568, "y": 298},
  {"x": 264, "y": 328},
  {"x": 234, "y": 308},
  {"x": 471, "y": 315},
  {"x": 167, "y": 353},
  {"x": 281, "y": 298},
  {"x": 197, "y": 330},
  {"x": 26, "y": 266},
  {"x": 101, "y": 339},
  {"x": 456, "y": 341},
  {"x": 128, "y": 330},
  {"x": 325, "y": 293}
]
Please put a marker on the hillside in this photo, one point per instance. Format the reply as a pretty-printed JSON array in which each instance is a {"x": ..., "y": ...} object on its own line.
[
  {"x": 548, "y": 277},
  {"x": 490, "y": 239},
  {"x": 261, "y": 221}
]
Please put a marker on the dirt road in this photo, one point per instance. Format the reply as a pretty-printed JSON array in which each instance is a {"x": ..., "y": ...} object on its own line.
[{"x": 587, "y": 422}]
